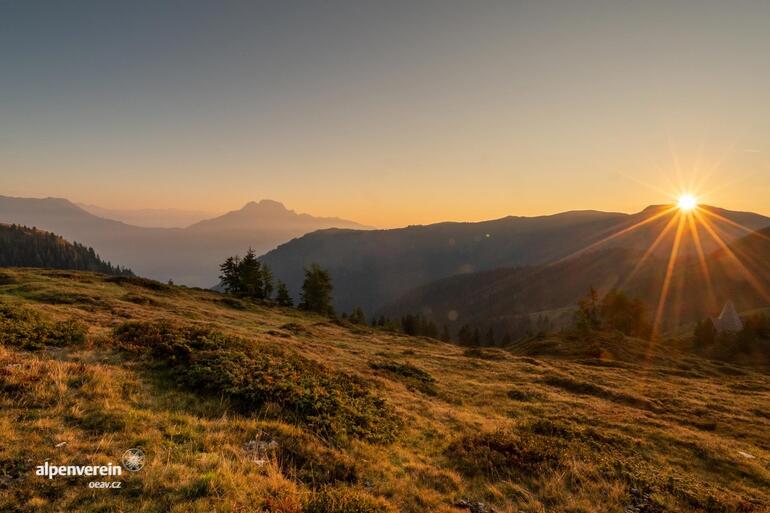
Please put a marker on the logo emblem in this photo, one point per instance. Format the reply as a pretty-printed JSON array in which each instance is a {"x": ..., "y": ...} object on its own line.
[{"x": 133, "y": 460}]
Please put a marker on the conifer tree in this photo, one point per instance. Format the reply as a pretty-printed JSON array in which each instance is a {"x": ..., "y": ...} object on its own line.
[
  {"x": 465, "y": 335},
  {"x": 267, "y": 282},
  {"x": 282, "y": 297},
  {"x": 317, "y": 291},
  {"x": 490, "y": 338},
  {"x": 357, "y": 316},
  {"x": 250, "y": 274},
  {"x": 230, "y": 276}
]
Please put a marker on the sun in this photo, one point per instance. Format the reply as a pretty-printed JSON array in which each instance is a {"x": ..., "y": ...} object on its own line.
[{"x": 687, "y": 202}]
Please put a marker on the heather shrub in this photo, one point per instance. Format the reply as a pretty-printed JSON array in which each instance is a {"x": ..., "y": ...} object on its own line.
[
  {"x": 26, "y": 329},
  {"x": 504, "y": 454},
  {"x": 413, "y": 377},
  {"x": 334, "y": 405}
]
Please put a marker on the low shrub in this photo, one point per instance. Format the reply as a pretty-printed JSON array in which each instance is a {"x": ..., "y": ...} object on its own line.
[
  {"x": 99, "y": 421},
  {"x": 139, "y": 299},
  {"x": 503, "y": 454},
  {"x": 26, "y": 329},
  {"x": 485, "y": 353},
  {"x": 140, "y": 282},
  {"x": 413, "y": 377},
  {"x": 304, "y": 457},
  {"x": 232, "y": 302},
  {"x": 57, "y": 297},
  {"x": 335, "y": 405},
  {"x": 523, "y": 395},
  {"x": 7, "y": 278},
  {"x": 170, "y": 342},
  {"x": 585, "y": 388}
]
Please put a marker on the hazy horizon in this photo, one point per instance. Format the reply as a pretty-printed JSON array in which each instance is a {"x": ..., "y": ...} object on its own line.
[
  {"x": 388, "y": 115},
  {"x": 132, "y": 216}
]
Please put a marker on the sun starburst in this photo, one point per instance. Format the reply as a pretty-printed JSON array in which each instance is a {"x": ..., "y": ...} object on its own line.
[{"x": 687, "y": 202}]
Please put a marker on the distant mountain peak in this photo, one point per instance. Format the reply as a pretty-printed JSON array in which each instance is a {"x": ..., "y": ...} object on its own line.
[
  {"x": 272, "y": 215},
  {"x": 266, "y": 206}
]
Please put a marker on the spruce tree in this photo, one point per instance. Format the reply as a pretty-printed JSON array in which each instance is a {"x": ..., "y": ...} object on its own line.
[
  {"x": 250, "y": 274},
  {"x": 490, "y": 338},
  {"x": 230, "y": 276},
  {"x": 317, "y": 291},
  {"x": 357, "y": 316},
  {"x": 267, "y": 282},
  {"x": 465, "y": 335},
  {"x": 282, "y": 297}
]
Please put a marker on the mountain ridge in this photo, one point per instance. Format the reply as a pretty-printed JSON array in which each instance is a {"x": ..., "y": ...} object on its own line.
[
  {"x": 188, "y": 256},
  {"x": 373, "y": 268},
  {"x": 502, "y": 298}
]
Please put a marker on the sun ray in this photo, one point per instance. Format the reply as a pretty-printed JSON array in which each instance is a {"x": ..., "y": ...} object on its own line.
[
  {"x": 741, "y": 256},
  {"x": 733, "y": 223},
  {"x": 659, "y": 190},
  {"x": 667, "y": 280},
  {"x": 750, "y": 278},
  {"x": 617, "y": 234},
  {"x": 712, "y": 300},
  {"x": 651, "y": 249}
]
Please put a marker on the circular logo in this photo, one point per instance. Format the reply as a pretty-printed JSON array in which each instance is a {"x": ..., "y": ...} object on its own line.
[{"x": 133, "y": 460}]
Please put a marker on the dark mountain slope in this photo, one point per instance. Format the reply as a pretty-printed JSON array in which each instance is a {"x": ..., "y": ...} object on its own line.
[
  {"x": 374, "y": 268},
  {"x": 26, "y": 247},
  {"x": 499, "y": 298}
]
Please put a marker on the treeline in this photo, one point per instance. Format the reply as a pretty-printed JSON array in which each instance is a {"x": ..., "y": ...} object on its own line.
[
  {"x": 467, "y": 335},
  {"x": 21, "y": 246},
  {"x": 247, "y": 277}
]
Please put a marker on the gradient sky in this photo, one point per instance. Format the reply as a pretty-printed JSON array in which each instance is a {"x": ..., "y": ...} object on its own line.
[{"x": 389, "y": 113}]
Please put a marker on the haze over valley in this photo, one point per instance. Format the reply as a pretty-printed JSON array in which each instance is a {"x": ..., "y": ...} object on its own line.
[{"x": 188, "y": 255}]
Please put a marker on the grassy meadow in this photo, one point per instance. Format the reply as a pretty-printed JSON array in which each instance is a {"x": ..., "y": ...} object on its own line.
[{"x": 241, "y": 407}]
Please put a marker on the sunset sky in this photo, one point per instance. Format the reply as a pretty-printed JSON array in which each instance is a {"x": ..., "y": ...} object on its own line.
[{"x": 388, "y": 113}]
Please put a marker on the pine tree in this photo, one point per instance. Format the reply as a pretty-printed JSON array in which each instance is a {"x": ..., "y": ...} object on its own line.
[
  {"x": 230, "y": 276},
  {"x": 282, "y": 297},
  {"x": 357, "y": 316},
  {"x": 476, "y": 341},
  {"x": 490, "y": 338},
  {"x": 445, "y": 334},
  {"x": 250, "y": 274},
  {"x": 317, "y": 291},
  {"x": 587, "y": 316},
  {"x": 267, "y": 282},
  {"x": 410, "y": 325},
  {"x": 465, "y": 335}
]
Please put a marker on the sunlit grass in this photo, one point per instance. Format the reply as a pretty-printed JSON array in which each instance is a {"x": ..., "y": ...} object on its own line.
[{"x": 675, "y": 428}]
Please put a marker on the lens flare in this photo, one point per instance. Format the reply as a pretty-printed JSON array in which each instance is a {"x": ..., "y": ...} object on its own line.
[{"x": 687, "y": 202}]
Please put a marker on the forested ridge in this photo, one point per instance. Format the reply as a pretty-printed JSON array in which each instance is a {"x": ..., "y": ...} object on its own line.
[{"x": 21, "y": 246}]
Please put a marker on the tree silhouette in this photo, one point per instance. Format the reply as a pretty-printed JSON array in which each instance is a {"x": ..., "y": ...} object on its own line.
[
  {"x": 282, "y": 297},
  {"x": 29, "y": 247},
  {"x": 246, "y": 277},
  {"x": 317, "y": 291}
]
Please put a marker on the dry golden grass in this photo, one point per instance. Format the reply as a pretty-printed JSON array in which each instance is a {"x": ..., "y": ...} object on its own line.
[{"x": 645, "y": 429}]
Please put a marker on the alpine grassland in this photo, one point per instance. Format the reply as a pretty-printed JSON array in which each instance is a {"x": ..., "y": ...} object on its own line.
[{"x": 244, "y": 406}]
